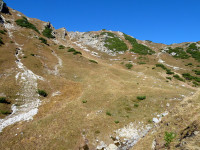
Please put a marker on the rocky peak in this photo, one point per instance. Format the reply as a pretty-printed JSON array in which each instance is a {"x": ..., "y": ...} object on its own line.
[{"x": 3, "y": 7}]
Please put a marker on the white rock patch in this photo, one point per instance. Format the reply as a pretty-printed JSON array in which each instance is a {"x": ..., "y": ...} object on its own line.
[{"x": 29, "y": 99}]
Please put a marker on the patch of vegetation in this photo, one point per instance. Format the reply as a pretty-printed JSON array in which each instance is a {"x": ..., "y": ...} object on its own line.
[
  {"x": 24, "y": 56},
  {"x": 11, "y": 42},
  {"x": 84, "y": 101},
  {"x": 32, "y": 54},
  {"x": 75, "y": 52},
  {"x": 129, "y": 66},
  {"x": 25, "y": 23},
  {"x": 189, "y": 64},
  {"x": 3, "y": 31},
  {"x": 116, "y": 121},
  {"x": 169, "y": 136},
  {"x": 195, "y": 83},
  {"x": 169, "y": 78},
  {"x": 168, "y": 71},
  {"x": 43, "y": 40},
  {"x": 141, "y": 63},
  {"x": 93, "y": 61},
  {"x": 161, "y": 66},
  {"x": 138, "y": 48},
  {"x": 178, "y": 52},
  {"x": 188, "y": 76},
  {"x": 178, "y": 77},
  {"x": 47, "y": 32},
  {"x": 1, "y": 42},
  {"x": 4, "y": 100},
  {"x": 71, "y": 50},
  {"x": 194, "y": 51},
  {"x": 136, "y": 105},
  {"x": 42, "y": 93},
  {"x": 97, "y": 132},
  {"x": 61, "y": 47},
  {"x": 108, "y": 113},
  {"x": 114, "y": 43},
  {"x": 5, "y": 112},
  {"x": 197, "y": 72},
  {"x": 141, "y": 97}
]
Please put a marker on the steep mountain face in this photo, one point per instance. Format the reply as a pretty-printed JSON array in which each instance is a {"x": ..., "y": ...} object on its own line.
[{"x": 94, "y": 90}]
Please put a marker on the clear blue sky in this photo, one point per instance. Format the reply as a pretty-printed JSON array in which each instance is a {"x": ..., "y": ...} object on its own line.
[{"x": 161, "y": 21}]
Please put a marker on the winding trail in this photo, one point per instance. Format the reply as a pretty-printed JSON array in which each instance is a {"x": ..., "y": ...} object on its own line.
[
  {"x": 59, "y": 65},
  {"x": 28, "y": 98}
]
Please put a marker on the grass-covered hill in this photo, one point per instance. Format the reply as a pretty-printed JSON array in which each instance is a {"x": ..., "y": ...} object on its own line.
[{"x": 94, "y": 90}]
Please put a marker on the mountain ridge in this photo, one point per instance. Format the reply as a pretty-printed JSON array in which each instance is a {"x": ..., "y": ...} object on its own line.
[{"x": 104, "y": 89}]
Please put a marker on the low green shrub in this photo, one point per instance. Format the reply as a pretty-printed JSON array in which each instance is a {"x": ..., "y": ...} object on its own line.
[
  {"x": 3, "y": 31},
  {"x": 141, "y": 97},
  {"x": 169, "y": 136},
  {"x": 116, "y": 121},
  {"x": 61, "y": 47},
  {"x": 93, "y": 61},
  {"x": 138, "y": 48},
  {"x": 187, "y": 76},
  {"x": 169, "y": 78},
  {"x": 43, "y": 40},
  {"x": 5, "y": 112},
  {"x": 1, "y": 42},
  {"x": 75, "y": 52},
  {"x": 71, "y": 50},
  {"x": 114, "y": 43},
  {"x": 178, "y": 52},
  {"x": 189, "y": 64},
  {"x": 161, "y": 66},
  {"x": 168, "y": 71},
  {"x": 195, "y": 83},
  {"x": 197, "y": 72},
  {"x": 47, "y": 32},
  {"x": 141, "y": 63},
  {"x": 108, "y": 113},
  {"x": 4, "y": 100},
  {"x": 84, "y": 101},
  {"x": 136, "y": 105},
  {"x": 42, "y": 93},
  {"x": 178, "y": 77},
  {"x": 194, "y": 51},
  {"x": 129, "y": 66},
  {"x": 25, "y": 23}
]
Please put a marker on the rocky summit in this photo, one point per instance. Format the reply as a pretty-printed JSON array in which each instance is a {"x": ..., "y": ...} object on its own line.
[{"x": 102, "y": 90}]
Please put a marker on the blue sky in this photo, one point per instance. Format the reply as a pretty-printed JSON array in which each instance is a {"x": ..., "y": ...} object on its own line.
[{"x": 161, "y": 21}]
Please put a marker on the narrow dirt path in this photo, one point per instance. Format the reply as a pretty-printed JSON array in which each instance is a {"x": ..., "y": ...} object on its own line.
[{"x": 58, "y": 65}]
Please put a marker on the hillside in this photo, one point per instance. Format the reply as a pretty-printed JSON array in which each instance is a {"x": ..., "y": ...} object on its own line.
[{"x": 94, "y": 90}]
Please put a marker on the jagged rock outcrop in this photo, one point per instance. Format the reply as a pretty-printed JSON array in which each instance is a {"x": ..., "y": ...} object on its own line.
[
  {"x": 61, "y": 33},
  {"x": 3, "y": 7}
]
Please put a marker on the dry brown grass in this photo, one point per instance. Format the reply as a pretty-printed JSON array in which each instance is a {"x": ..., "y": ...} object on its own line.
[{"x": 64, "y": 121}]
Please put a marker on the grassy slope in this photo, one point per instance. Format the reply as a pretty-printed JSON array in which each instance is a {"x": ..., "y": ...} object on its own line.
[{"x": 64, "y": 120}]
